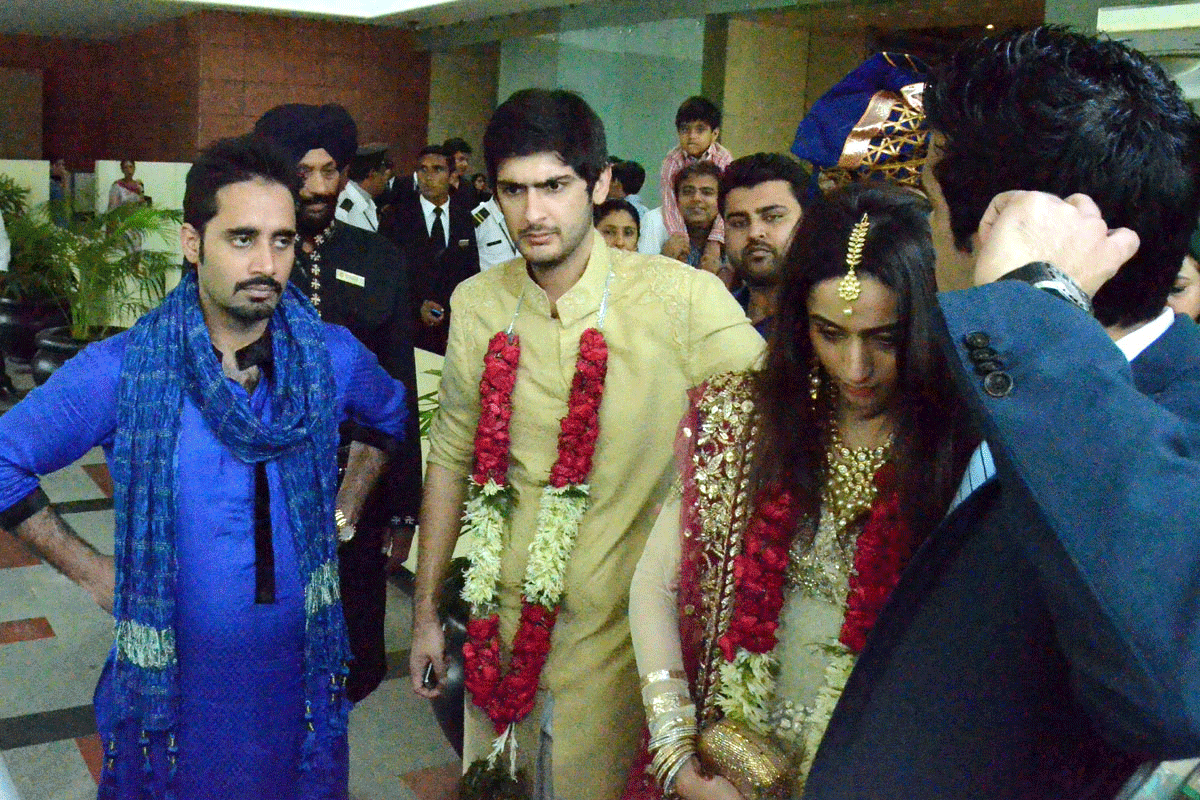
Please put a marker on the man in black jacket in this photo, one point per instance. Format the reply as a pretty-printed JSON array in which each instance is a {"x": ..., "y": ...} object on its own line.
[
  {"x": 360, "y": 280},
  {"x": 435, "y": 230}
]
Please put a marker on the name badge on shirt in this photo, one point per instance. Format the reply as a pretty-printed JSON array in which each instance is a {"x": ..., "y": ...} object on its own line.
[{"x": 350, "y": 277}]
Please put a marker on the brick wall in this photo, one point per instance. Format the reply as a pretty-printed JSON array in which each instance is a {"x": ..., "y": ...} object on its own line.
[
  {"x": 248, "y": 63},
  {"x": 168, "y": 90}
]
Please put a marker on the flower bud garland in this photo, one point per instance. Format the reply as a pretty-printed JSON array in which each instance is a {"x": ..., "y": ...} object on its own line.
[
  {"x": 747, "y": 674},
  {"x": 508, "y": 697}
]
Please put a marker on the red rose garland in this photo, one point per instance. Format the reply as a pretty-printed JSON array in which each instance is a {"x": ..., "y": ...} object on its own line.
[
  {"x": 507, "y": 698},
  {"x": 495, "y": 408},
  {"x": 883, "y": 549}
]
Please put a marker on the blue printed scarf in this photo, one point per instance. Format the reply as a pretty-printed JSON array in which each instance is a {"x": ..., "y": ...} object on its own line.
[{"x": 169, "y": 355}]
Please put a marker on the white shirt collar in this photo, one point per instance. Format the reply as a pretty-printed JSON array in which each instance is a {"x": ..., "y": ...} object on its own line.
[
  {"x": 1132, "y": 344},
  {"x": 427, "y": 209}
]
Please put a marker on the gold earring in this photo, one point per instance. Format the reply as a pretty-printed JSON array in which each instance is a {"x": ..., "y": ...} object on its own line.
[{"x": 814, "y": 380}]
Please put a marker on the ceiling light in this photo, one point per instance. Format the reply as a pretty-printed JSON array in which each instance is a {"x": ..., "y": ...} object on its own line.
[{"x": 361, "y": 9}]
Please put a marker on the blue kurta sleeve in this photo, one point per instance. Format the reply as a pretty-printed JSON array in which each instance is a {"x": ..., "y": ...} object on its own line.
[
  {"x": 58, "y": 422},
  {"x": 370, "y": 397},
  {"x": 1106, "y": 480}
]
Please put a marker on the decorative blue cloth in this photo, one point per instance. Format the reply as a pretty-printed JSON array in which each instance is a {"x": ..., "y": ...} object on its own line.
[
  {"x": 879, "y": 98},
  {"x": 168, "y": 356}
]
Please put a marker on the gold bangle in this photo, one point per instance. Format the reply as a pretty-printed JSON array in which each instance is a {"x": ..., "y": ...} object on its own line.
[{"x": 663, "y": 675}]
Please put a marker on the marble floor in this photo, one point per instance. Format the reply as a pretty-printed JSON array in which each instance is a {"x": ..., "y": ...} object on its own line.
[{"x": 53, "y": 642}]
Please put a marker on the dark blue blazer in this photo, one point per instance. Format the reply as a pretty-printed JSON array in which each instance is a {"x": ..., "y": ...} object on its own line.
[{"x": 1046, "y": 638}]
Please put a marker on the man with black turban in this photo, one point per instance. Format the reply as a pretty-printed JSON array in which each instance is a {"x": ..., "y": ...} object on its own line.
[{"x": 358, "y": 279}]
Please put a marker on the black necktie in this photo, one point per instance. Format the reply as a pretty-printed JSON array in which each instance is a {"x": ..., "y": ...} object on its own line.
[{"x": 437, "y": 234}]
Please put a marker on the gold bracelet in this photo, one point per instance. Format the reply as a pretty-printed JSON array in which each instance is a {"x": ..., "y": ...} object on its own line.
[{"x": 663, "y": 675}]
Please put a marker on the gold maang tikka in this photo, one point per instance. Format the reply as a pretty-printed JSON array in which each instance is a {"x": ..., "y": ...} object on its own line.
[{"x": 849, "y": 287}]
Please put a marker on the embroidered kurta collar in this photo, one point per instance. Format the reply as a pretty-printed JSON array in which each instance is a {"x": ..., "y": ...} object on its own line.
[{"x": 578, "y": 302}]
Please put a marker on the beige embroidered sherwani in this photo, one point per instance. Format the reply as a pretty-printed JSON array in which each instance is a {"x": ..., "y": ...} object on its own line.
[{"x": 668, "y": 328}]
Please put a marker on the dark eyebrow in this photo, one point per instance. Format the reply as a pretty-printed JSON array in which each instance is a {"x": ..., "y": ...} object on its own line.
[
  {"x": 770, "y": 208},
  {"x": 865, "y": 332},
  {"x": 247, "y": 230},
  {"x": 566, "y": 176}
]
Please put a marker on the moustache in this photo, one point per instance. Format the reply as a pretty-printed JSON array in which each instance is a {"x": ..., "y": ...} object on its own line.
[{"x": 261, "y": 280}]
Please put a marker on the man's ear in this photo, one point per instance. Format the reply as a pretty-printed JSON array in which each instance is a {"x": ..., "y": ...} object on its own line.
[
  {"x": 600, "y": 190},
  {"x": 189, "y": 241},
  {"x": 717, "y": 133}
]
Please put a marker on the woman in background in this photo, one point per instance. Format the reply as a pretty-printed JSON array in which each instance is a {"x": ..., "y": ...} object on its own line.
[{"x": 127, "y": 190}]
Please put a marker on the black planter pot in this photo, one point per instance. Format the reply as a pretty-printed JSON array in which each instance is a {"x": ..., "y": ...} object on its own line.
[
  {"x": 20, "y": 321},
  {"x": 55, "y": 346}
]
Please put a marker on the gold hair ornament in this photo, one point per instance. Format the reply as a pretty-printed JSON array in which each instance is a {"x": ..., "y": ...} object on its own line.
[{"x": 849, "y": 287}]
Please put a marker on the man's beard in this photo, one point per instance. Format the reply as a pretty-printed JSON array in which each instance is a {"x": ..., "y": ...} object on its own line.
[
  {"x": 312, "y": 220},
  {"x": 759, "y": 280},
  {"x": 260, "y": 310}
]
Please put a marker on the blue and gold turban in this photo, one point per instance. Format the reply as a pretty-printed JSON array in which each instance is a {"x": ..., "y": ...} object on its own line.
[{"x": 869, "y": 126}]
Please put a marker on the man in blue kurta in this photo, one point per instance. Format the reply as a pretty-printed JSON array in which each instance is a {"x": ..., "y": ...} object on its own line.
[{"x": 218, "y": 413}]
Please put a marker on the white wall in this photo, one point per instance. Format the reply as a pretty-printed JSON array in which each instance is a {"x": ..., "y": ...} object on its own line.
[
  {"x": 33, "y": 175},
  {"x": 634, "y": 76},
  {"x": 164, "y": 182}
]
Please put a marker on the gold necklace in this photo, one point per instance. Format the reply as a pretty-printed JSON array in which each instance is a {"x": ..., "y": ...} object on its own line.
[{"x": 849, "y": 486}]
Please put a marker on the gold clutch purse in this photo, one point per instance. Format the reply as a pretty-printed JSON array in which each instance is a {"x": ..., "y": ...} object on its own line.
[{"x": 752, "y": 763}]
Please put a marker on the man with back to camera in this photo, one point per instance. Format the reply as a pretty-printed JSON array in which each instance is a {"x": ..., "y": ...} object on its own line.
[
  {"x": 358, "y": 279},
  {"x": 760, "y": 203},
  {"x": 1044, "y": 641},
  {"x": 628, "y": 177},
  {"x": 218, "y": 414},
  {"x": 662, "y": 328}
]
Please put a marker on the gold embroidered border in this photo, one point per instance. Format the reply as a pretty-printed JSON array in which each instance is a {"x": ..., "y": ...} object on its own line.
[{"x": 720, "y": 464}]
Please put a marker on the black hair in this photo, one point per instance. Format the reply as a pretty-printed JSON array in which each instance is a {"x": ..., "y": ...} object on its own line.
[
  {"x": 547, "y": 121},
  {"x": 1055, "y": 111},
  {"x": 229, "y": 161},
  {"x": 631, "y": 175},
  {"x": 698, "y": 109},
  {"x": 750, "y": 171},
  {"x": 436, "y": 150},
  {"x": 363, "y": 164},
  {"x": 692, "y": 170},
  {"x": 456, "y": 145},
  {"x": 932, "y": 431},
  {"x": 609, "y": 206}
]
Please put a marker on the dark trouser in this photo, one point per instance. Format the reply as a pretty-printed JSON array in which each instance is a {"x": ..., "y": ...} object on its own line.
[{"x": 364, "y": 600}]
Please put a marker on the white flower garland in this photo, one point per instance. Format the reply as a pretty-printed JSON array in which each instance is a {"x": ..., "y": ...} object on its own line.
[
  {"x": 559, "y": 513},
  {"x": 484, "y": 517},
  {"x": 747, "y": 684},
  {"x": 836, "y": 675}
]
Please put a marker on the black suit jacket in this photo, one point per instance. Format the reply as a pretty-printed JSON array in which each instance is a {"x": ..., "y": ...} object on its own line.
[
  {"x": 1046, "y": 639},
  {"x": 365, "y": 286},
  {"x": 435, "y": 273}
]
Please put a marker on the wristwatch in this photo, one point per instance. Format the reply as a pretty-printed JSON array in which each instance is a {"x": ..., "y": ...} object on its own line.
[{"x": 1051, "y": 279}]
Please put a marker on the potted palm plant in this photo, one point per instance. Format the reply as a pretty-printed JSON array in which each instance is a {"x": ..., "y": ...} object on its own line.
[
  {"x": 107, "y": 278},
  {"x": 32, "y": 291}
]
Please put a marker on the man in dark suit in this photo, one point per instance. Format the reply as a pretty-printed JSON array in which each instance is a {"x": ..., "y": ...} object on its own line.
[
  {"x": 437, "y": 234},
  {"x": 358, "y": 279},
  {"x": 1045, "y": 640}
]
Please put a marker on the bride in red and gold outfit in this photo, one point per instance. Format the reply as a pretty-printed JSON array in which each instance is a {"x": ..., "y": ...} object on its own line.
[{"x": 805, "y": 487}]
